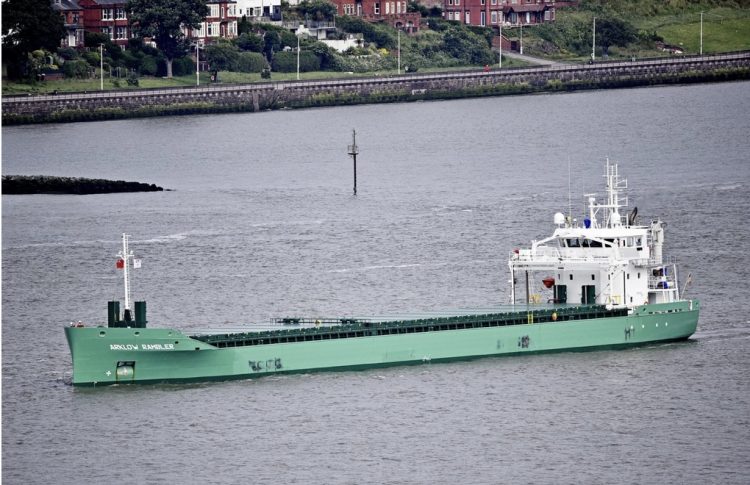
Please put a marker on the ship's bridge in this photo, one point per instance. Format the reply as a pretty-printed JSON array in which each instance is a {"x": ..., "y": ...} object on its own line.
[{"x": 615, "y": 262}]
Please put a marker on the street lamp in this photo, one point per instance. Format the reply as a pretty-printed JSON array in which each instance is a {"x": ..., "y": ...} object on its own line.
[
  {"x": 593, "y": 42},
  {"x": 101, "y": 67},
  {"x": 399, "y": 50},
  {"x": 298, "y": 57},
  {"x": 701, "y": 33},
  {"x": 500, "y": 49},
  {"x": 197, "y": 64}
]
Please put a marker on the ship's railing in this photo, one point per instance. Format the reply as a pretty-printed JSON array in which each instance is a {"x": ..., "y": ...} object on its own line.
[
  {"x": 524, "y": 315},
  {"x": 545, "y": 254},
  {"x": 306, "y": 321}
]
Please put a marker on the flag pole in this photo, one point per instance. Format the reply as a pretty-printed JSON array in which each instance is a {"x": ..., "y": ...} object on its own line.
[{"x": 126, "y": 256}]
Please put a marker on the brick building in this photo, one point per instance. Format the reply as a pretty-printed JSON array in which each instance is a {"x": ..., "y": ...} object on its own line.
[
  {"x": 221, "y": 21},
  {"x": 110, "y": 18},
  {"x": 107, "y": 17},
  {"x": 72, "y": 14},
  {"x": 489, "y": 13},
  {"x": 392, "y": 12}
]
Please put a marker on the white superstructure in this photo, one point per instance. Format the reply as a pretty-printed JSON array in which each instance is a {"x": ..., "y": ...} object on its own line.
[{"x": 609, "y": 260}]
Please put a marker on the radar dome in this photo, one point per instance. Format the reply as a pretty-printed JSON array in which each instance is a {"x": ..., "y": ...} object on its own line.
[{"x": 559, "y": 218}]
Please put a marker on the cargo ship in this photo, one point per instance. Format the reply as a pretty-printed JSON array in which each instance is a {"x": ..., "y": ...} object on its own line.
[{"x": 600, "y": 284}]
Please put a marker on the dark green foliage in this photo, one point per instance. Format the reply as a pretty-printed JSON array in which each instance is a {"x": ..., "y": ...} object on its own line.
[
  {"x": 415, "y": 6},
  {"x": 221, "y": 56},
  {"x": 287, "y": 62},
  {"x": 316, "y": 10},
  {"x": 288, "y": 39},
  {"x": 149, "y": 66},
  {"x": 92, "y": 57},
  {"x": 249, "y": 42},
  {"x": 76, "y": 69},
  {"x": 265, "y": 73},
  {"x": 251, "y": 62},
  {"x": 163, "y": 21},
  {"x": 183, "y": 66},
  {"x": 95, "y": 39},
  {"x": 68, "y": 53},
  {"x": 244, "y": 26},
  {"x": 467, "y": 46},
  {"x": 28, "y": 25},
  {"x": 614, "y": 31},
  {"x": 326, "y": 55},
  {"x": 381, "y": 35},
  {"x": 271, "y": 43}
]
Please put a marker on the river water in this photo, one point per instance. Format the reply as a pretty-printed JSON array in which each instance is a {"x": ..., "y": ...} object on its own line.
[{"x": 261, "y": 223}]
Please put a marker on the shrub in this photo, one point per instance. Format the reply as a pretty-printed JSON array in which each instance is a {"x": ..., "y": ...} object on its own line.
[
  {"x": 251, "y": 62},
  {"x": 249, "y": 42},
  {"x": 76, "y": 69},
  {"x": 183, "y": 66},
  {"x": 287, "y": 62},
  {"x": 67, "y": 53},
  {"x": 149, "y": 66},
  {"x": 92, "y": 57}
]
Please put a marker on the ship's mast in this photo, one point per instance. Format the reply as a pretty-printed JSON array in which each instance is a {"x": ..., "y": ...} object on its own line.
[
  {"x": 614, "y": 201},
  {"x": 126, "y": 256}
]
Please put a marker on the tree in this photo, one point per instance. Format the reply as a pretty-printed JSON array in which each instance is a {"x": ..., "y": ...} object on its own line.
[
  {"x": 613, "y": 31},
  {"x": 162, "y": 20},
  {"x": 28, "y": 25},
  {"x": 222, "y": 56},
  {"x": 317, "y": 10}
]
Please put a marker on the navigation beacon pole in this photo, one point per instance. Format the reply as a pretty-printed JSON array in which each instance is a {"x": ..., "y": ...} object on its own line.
[
  {"x": 125, "y": 257},
  {"x": 353, "y": 151}
]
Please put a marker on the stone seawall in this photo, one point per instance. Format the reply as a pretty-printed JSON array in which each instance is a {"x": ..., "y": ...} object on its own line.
[{"x": 413, "y": 87}]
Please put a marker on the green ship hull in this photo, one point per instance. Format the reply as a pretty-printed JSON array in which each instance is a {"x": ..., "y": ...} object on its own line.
[{"x": 106, "y": 355}]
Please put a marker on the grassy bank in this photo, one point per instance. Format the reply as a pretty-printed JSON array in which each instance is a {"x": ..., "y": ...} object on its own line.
[{"x": 726, "y": 28}]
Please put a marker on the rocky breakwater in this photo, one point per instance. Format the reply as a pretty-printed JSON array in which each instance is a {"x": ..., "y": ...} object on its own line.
[{"x": 42, "y": 184}]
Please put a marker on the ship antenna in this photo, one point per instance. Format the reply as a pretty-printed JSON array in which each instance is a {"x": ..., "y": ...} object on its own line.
[
  {"x": 125, "y": 256},
  {"x": 570, "y": 203}
]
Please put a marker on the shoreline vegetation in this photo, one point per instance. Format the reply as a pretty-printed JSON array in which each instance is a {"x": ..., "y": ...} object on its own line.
[
  {"x": 417, "y": 87},
  {"x": 45, "y": 184}
]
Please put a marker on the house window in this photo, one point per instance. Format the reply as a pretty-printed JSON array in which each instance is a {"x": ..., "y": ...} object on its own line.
[
  {"x": 120, "y": 14},
  {"x": 107, "y": 31},
  {"x": 458, "y": 2},
  {"x": 571, "y": 277},
  {"x": 398, "y": 7},
  {"x": 377, "y": 8},
  {"x": 121, "y": 33},
  {"x": 468, "y": 18},
  {"x": 106, "y": 14},
  {"x": 232, "y": 29},
  {"x": 222, "y": 12},
  {"x": 481, "y": 2},
  {"x": 231, "y": 11},
  {"x": 387, "y": 8},
  {"x": 494, "y": 2},
  {"x": 482, "y": 18},
  {"x": 213, "y": 29},
  {"x": 213, "y": 10},
  {"x": 593, "y": 277},
  {"x": 493, "y": 17}
]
